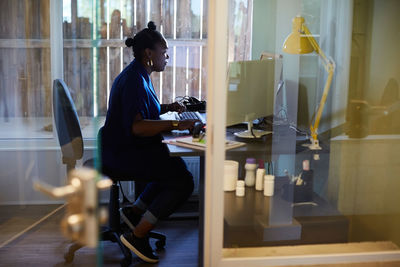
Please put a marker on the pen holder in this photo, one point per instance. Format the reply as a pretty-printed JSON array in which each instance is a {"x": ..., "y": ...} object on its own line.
[
  {"x": 304, "y": 192},
  {"x": 299, "y": 192}
]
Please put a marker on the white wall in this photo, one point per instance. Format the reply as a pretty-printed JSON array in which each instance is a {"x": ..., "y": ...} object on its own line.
[
  {"x": 22, "y": 161},
  {"x": 264, "y": 23},
  {"x": 335, "y": 40},
  {"x": 335, "y": 24}
]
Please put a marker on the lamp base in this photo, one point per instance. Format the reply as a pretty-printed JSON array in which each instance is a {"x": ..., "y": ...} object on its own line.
[
  {"x": 314, "y": 144},
  {"x": 252, "y": 134}
]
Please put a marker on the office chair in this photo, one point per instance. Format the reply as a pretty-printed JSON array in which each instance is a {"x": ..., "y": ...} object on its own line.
[
  {"x": 71, "y": 143},
  {"x": 67, "y": 125}
]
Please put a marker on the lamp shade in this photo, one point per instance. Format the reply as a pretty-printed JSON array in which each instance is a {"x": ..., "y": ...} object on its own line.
[{"x": 297, "y": 42}]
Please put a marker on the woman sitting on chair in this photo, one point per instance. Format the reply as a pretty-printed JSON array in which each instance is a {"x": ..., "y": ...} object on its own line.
[{"x": 132, "y": 142}]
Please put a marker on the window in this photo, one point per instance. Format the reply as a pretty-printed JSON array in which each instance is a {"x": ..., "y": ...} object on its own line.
[
  {"x": 95, "y": 52},
  {"x": 25, "y": 81}
]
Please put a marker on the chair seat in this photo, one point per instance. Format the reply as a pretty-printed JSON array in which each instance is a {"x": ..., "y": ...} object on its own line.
[
  {"x": 111, "y": 173},
  {"x": 115, "y": 174}
]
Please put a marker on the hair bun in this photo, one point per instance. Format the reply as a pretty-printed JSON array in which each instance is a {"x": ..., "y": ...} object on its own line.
[
  {"x": 151, "y": 25},
  {"x": 129, "y": 42}
]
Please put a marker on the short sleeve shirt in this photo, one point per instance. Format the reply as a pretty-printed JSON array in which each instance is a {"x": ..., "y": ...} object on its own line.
[{"x": 132, "y": 93}]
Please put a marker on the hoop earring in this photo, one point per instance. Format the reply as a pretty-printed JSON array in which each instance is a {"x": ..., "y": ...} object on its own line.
[{"x": 150, "y": 63}]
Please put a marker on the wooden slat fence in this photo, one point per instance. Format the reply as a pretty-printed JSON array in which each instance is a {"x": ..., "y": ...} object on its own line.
[
  {"x": 95, "y": 54},
  {"x": 24, "y": 59},
  {"x": 173, "y": 18}
]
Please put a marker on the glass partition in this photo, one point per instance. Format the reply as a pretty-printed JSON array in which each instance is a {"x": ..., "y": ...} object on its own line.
[
  {"x": 27, "y": 147},
  {"x": 317, "y": 170},
  {"x": 82, "y": 44}
]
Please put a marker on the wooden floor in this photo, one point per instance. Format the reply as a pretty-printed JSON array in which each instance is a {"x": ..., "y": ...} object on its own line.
[{"x": 44, "y": 246}]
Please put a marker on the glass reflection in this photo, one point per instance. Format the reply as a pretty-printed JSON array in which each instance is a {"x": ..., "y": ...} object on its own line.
[{"x": 344, "y": 193}]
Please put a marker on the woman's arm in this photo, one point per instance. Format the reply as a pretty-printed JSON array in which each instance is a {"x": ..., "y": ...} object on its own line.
[
  {"x": 141, "y": 127},
  {"x": 172, "y": 107}
]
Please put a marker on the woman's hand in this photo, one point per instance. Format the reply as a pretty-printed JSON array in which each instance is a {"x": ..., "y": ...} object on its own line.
[
  {"x": 186, "y": 124},
  {"x": 176, "y": 106}
]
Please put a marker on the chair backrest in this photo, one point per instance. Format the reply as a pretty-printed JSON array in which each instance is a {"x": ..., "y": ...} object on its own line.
[{"x": 67, "y": 124}]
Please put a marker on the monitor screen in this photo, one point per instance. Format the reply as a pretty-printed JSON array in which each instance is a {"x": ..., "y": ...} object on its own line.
[{"x": 251, "y": 89}]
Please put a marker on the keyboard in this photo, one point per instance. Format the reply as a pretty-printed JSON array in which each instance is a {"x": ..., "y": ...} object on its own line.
[{"x": 190, "y": 115}]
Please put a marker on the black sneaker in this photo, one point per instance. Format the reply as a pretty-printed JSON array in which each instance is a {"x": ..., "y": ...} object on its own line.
[
  {"x": 139, "y": 246},
  {"x": 129, "y": 217}
]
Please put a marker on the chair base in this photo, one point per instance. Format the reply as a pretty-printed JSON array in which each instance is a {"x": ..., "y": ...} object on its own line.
[{"x": 70, "y": 254}]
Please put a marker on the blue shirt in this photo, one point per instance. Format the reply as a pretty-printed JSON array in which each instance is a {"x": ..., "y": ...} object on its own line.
[{"x": 132, "y": 93}]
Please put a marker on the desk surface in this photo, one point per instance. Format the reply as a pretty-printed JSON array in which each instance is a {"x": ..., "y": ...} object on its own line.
[
  {"x": 237, "y": 229},
  {"x": 284, "y": 142},
  {"x": 178, "y": 151}
]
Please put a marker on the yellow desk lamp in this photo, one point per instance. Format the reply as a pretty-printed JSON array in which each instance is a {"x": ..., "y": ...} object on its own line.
[{"x": 300, "y": 41}]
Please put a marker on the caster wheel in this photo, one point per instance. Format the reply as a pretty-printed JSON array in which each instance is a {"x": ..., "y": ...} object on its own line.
[
  {"x": 69, "y": 257},
  {"x": 160, "y": 244}
]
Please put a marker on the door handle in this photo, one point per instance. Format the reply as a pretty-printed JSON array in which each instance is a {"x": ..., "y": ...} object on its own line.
[{"x": 83, "y": 216}]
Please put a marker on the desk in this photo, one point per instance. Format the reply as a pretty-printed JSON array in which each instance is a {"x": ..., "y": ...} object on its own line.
[
  {"x": 248, "y": 222},
  {"x": 266, "y": 149},
  {"x": 260, "y": 148}
]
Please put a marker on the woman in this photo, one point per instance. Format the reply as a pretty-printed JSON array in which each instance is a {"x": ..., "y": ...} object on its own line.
[{"x": 131, "y": 141}]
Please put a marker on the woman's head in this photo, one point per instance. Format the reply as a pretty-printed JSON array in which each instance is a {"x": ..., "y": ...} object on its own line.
[{"x": 150, "y": 47}]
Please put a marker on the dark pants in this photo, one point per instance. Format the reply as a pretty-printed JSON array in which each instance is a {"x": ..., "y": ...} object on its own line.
[
  {"x": 164, "y": 196},
  {"x": 169, "y": 183}
]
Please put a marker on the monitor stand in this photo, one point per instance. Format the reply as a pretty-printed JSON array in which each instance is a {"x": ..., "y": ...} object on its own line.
[{"x": 251, "y": 133}]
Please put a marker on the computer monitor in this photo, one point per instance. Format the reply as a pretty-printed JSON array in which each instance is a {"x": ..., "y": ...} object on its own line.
[{"x": 250, "y": 93}]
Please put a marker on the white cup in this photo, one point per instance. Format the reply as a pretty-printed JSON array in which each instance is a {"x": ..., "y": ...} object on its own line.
[{"x": 231, "y": 173}]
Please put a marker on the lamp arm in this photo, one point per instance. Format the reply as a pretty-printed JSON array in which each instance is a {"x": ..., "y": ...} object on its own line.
[
  {"x": 316, "y": 47},
  {"x": 314, "y": 127},
  {"x": 329, "y": 66}
]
